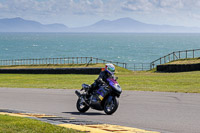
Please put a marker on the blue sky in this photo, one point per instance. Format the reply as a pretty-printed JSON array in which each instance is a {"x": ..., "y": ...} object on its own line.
[{"x": 75, "y": 13}]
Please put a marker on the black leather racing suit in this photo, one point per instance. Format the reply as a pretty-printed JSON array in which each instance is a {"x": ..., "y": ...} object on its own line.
[{"x": 101, "y": 79}]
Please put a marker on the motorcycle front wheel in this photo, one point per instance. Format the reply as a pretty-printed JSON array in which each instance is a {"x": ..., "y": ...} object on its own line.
[
  {"x": 111, "y": 106},
  {"x": 81, "y": 106}
]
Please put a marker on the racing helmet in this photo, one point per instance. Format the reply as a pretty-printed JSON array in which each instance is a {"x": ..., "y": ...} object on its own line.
[{"x": 110, "y": 68}]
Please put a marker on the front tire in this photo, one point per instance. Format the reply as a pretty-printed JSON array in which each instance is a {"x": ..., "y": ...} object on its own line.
[
  {"x": 111, "y": 106},
  {"x": 81, "y": 106}
]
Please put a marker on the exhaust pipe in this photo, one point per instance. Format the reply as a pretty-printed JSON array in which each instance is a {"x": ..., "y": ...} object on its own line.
[{"x": 78, "y": 93}]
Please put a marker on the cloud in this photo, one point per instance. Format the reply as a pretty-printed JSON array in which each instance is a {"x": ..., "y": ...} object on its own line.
[
  {"x": 19, "y": 6},
  {"x": 137, "y": 5},
  {"x": 1, "y": 6},
  {"x": 171, "y": 4},
  {"x": 86, "y": 7},
  {"x": 89, "y": 11},
  {"x": 44, "y": 7},
  {"x": 152, "y": 5},
  {"x": 195, "y": 16}
]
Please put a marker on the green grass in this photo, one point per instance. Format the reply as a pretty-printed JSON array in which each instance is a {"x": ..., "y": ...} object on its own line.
[
  {"x": 185, "y": 61},
  {"x": 11, "y": 124},
  {"x": 188, "y": 82}
]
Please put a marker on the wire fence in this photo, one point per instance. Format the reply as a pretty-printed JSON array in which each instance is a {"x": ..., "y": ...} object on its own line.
[
  {"x": 176, "y": 56},
  {"x": 58, "y": 61},
  {"x": 92, "y": 60},
  {"x": 138, "y": 66}
]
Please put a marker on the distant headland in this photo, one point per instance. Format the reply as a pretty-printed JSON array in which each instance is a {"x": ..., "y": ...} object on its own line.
[{"x": 124, "y": 25}]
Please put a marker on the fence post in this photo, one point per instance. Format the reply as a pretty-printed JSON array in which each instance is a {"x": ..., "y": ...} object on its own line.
[
  {"x": 193, "y": 53},
  {"x": 96, "y": 60},
  {"x": 160, "y": 61},
  {"x": 179, "y": 54},
  {"x": 186, "y": 54},
  {"x": 150, "y": 66},
  {"x": 91, "y": 60}
]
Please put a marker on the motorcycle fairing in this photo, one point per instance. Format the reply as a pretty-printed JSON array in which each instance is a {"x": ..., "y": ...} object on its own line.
[{"x": 114, "y": 84}]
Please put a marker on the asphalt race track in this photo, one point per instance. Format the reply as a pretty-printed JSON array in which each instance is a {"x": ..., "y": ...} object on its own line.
[{"x": 157, "y": 111}]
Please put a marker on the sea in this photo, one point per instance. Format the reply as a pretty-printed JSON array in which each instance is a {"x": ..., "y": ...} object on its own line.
[{"x": 120, "y": 47}]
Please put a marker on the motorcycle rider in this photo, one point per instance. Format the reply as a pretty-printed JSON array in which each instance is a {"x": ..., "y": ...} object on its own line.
[{"x": 102, "y": 79}]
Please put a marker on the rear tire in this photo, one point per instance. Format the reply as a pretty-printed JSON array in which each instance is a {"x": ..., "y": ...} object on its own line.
[
  {"x": 111, "y": 107},
  {"x": 81, "y": 106}
]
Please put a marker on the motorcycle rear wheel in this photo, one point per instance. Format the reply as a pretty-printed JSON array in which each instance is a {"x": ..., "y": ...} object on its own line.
[
  {"x": 81, "y": 106},
  {"x": 111, "y": 107}
]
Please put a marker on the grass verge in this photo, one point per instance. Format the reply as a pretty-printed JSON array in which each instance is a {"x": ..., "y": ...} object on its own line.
[
  {"x": 12, "y": 124},
  {"x": 185, "y": 61},
  {"x": 188, "y": 82}
]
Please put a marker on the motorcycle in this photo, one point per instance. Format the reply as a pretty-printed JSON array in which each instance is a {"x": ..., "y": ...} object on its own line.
[{"x": 104, "y": 98}]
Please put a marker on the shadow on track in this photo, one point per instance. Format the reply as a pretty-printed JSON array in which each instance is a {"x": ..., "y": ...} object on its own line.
[{"x": 78, "y": 113}]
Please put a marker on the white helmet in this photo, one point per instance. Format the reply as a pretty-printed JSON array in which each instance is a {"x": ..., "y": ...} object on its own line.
[{"x": 110, "y": 68}]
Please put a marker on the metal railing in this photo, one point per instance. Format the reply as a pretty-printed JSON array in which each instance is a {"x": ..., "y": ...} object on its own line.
[
  {"x": 92, "y": 60},
  {"x": 57, "y": 61},
  {"x": 176, "y": 56},
  {"x": 139, "y": 66}
]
